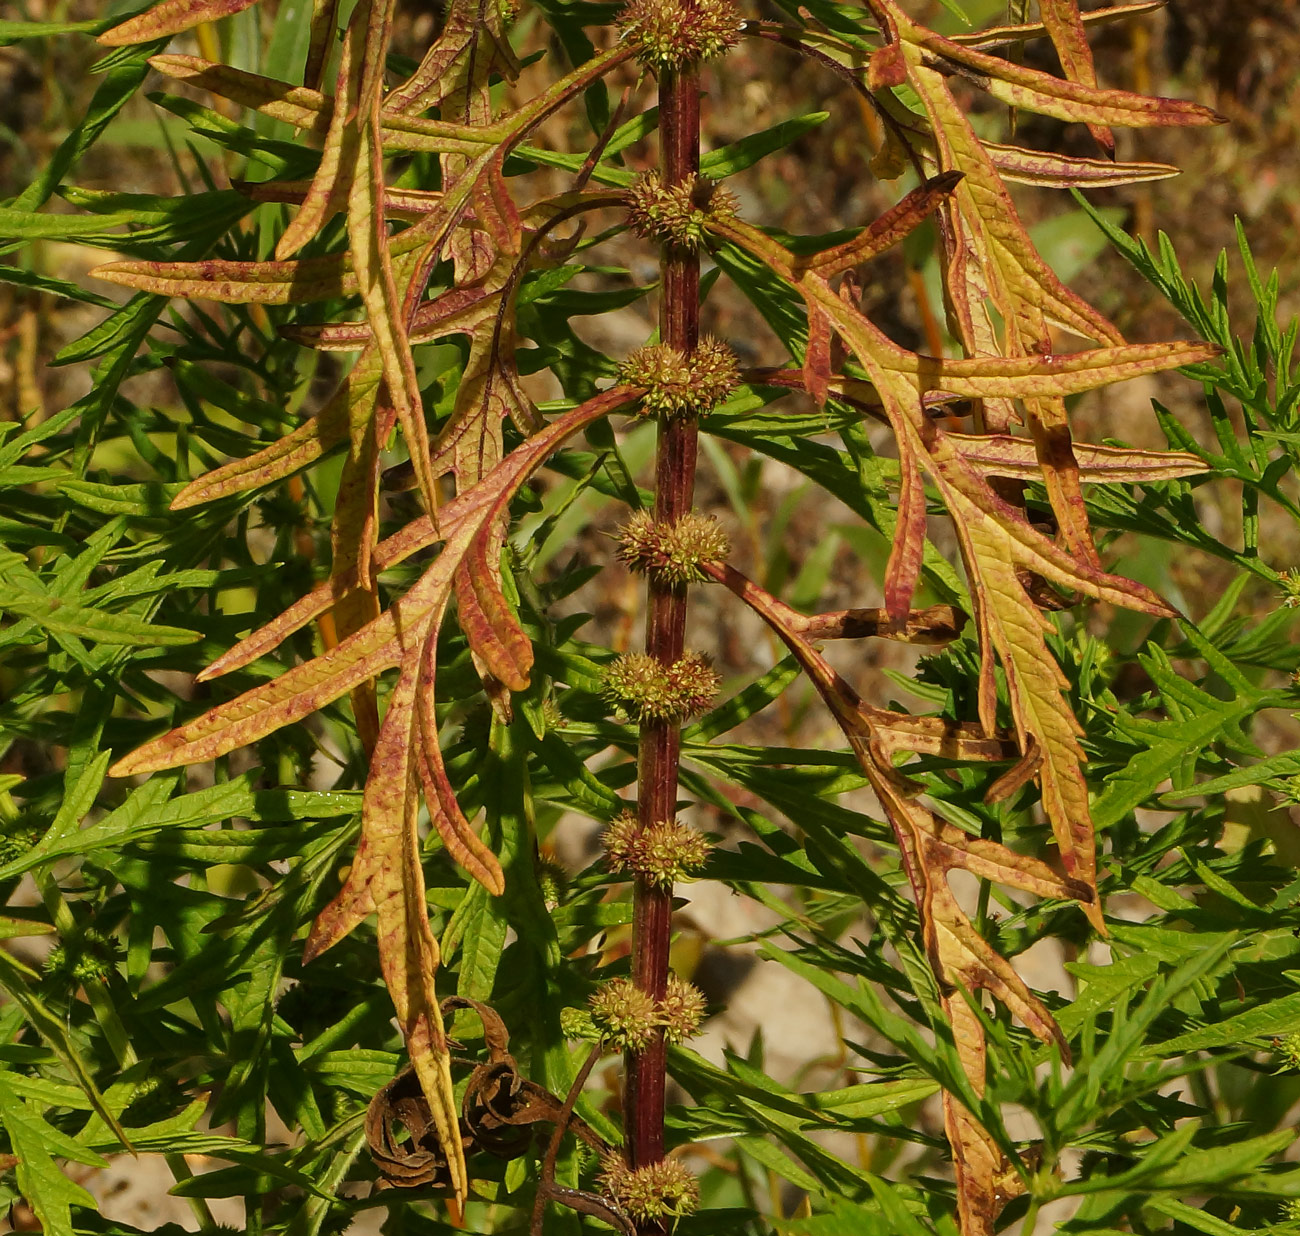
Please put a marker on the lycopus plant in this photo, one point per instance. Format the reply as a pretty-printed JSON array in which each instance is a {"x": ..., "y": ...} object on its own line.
[{"x": 406, "y": 227}]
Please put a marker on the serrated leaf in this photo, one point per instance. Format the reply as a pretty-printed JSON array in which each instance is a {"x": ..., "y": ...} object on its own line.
[{"x": 47, "y": 1190}]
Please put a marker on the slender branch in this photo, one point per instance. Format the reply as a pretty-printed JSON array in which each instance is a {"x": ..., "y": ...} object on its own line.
[{"x": 679, "y": 117}]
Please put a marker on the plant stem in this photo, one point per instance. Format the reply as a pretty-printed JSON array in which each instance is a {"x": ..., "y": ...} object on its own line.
[{"x": 679, "y": 327}]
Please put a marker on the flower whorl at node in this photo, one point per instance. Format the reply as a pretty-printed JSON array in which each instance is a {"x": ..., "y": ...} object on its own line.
[
  {"x": 624, "y": 1015},
  {"x": 668, "y": 34},
  {"x": 1290, "y": 588},
  {"x": 681, "y": 1010},
  {"x": 647, "y": 690},
  {"x": 672, "y": 554},
  {"x": 663, "y": 852},
  {"x": 663, "y": 1190},
  {"x": 88, "y": 959},
  {"x": 1289, "y": 1050},
  {"x": 678, "y": 385},
  {"x": 678, "y": 215},
  {"x": 621, "y": 1015}
]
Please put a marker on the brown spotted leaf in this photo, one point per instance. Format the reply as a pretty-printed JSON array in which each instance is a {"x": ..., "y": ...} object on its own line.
[
  {"x": 1057, "y": 171},
  {"x": 889, "y": 229},
  {"x": 386, "y": 879},
  {"x": 461, "y": 841},
  {"x": 1064, "y": 25},
  {"x": 237, "y": 283},
  {"x": 306, "y": 108},
  {"x": 170, "y": 17},
  {"x": 1026, "y": 88},
  {"x": 1002, "y": 36},
  {"x": 299, "y": 449},
  {"x": 381, "y": 643},
  {"x": 962, "y": 960},
  {"x": 1015, "y": 457}
]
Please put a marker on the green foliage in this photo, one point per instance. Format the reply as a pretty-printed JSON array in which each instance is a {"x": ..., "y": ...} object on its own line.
[{"x": 172, "y": 1012}]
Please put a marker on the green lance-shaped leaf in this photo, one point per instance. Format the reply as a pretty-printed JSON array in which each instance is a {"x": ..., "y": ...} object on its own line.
[
  {"x": 170, "y": 17},
  {"x": 21, "y": 986},
  {"x": 46, "y": 1189}
]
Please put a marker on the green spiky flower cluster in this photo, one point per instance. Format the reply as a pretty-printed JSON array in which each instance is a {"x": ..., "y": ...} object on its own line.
[
  {"x": 678, "y": 385},
  {"x": 663, "y": 1190},
  {"x": 672, "y": 553},
  {"x": 624, "y": 1015},
  {"x": 677, "y": 215},
  {"x": 663, "y": 852},
  {"x": 647, "y": 690},
  {"x": 1289, "y": 582},
  {"x": 90, "y": 958},
  {"x": 681, "y": 1010},
  {"x": 670, "y": 34}
]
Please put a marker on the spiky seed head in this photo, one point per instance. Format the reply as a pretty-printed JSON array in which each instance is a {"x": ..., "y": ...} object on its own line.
[
  {"x": 90, "y": 958},
  {"x": 681, "y": 1010},
  {"x": 672, "y": 554},
  {"x": 1291, "y": 1209},
  {"x": 694, "y": 684},
  {"x": 670, "y": 34},
  {"x": 663, "y": 852},
  {"x": 1289, "y": 584},
  {"x": 621, "y": 840},
  {"x": 663, "y": 1190},
  {"x": 1289, "y": 1050},
  {"x": 624, "y": 1015},
  {"x": 677, "y": 215},
  {"x": 666, "y": 376},
  {"x": 638, "y": 684},
  {"x": 647, "y": 690},
  {"x": 677, "y": 385},
  {"x": 715, "y": 372}
]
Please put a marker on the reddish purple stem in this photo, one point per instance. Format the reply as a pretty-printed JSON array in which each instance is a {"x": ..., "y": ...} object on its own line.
[{"x": 679, "y": 325}]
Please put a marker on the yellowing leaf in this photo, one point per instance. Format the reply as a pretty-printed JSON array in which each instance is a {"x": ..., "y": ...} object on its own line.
[
  {"x": 168, "y": 18},
  {"x": 383, "y": 642},
  {"x": 387, "y": 879}
]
